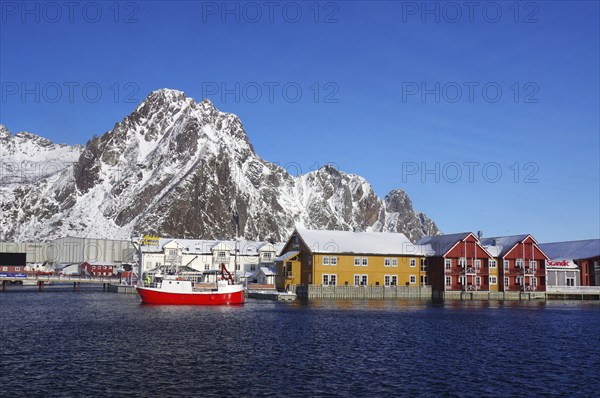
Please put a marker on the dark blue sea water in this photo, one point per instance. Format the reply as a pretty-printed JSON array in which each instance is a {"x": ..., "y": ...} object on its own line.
[{"x": 61, "y": 343}]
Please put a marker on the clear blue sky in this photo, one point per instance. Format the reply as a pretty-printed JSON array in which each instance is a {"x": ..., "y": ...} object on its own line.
[{"x": 402, "y": 93}]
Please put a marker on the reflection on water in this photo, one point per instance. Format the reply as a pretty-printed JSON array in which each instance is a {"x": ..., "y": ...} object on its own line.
[{"x": 58, "y": 343}]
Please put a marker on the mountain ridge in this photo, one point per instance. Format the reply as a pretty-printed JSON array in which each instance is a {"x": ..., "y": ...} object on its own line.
[{"x": 177, "y": 167}]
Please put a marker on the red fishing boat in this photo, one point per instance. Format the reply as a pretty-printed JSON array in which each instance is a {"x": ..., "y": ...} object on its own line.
[{"x": 173, "y": 289}]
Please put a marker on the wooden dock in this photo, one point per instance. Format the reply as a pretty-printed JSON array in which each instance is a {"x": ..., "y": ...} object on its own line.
[{"x": 272, "y": 295}]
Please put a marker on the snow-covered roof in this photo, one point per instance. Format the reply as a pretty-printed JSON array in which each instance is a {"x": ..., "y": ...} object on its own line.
[
  {"x": 325, "y": 241},
  {"x": 440, "y": 244},
  {"x": 204, "y": 246},
  {"x": 287, "y": 255},
  {"x": 268, "y": 271},
  {"x": 504, "y": 243},
  {"x": 574, "y": 250}
]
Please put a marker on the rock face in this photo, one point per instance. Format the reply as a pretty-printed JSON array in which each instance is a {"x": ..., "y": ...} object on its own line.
[{"x": 179, "y": 168}]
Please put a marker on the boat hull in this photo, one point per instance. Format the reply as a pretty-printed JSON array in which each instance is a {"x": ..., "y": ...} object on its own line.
[{"x": 155, "y": 296}]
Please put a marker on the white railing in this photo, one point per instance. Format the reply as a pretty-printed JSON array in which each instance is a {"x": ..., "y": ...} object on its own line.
[{"x": 573, "y": 289}]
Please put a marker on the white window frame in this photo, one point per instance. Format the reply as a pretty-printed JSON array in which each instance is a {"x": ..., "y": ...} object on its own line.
[
  {"x": 478, "y": 280},
  {"x": 492, "y": 263},
  {"x": 364, "y": 280},
  {"x": 519, "y": 280},
  {"x": 533, "y": 281},
  {"x": 477, "y": 263},
  {"x": 394, "y": 280},
  {"x": 206, "y": 267},
  {"x": 506, "y": 281},
  {"x": 17, "y": 269},
  {"x": 365, "y": 261},
  {"x": 413, "y": 279},
  {"x": 356, "y": 279},
  {"x": 462, "y": 261},
  {"x": 569, "y": 279},
  {"x": 325, "y": 260},
  {"x": 461, "y": 280},
  {"x": 357, "y": 261},
  {"x": 448, "y": 263},
  {"x": 413, "y": 262},
  {"x": 329, "y": 279},
  {"x": 387, "y": 262},
  {"x": 387, "y": 280},
  {"x": 533, "y": 264},
  {"x": 506, "y": 264},
  {"x": 325, "y": 280},
  {"x": 220, "y": 256},
  {"x": 519, "y": 263},
  {"x": 448, "y": 281},
  {"x": 333, "y": 260},
  {"x": 493, "y": 280},
  {"x": 394, "y": 262},
  {"x": 423, "y": 265}
]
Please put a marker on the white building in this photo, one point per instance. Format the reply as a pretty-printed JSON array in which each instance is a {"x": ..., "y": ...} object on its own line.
[{"x": 242, "y": 258}]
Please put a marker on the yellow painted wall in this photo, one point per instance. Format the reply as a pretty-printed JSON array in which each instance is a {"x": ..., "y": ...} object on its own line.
[
  {"x": 494, "y": 272},
  {"x": 375, "y": 270},
  {"x": 282, "y": 280}
]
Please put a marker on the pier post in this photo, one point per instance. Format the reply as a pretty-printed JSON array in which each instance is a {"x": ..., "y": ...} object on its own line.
[
  {"x": 4, "y": 285},
  {"x": 40, "y": 285},
  {"x": 104, "y": 287},
  {"x": 76, "y": 286}
]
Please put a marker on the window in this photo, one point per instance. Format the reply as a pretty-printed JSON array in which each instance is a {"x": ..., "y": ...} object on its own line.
[
  {"x": 4, "y": 268},
  {"x": 158, "y": 264},
  {"x": 424, "y": 281},
  {"x": 325, "y": 261},
  {"x": 519, "y": 280},
  {"x": 413, "y": 279},
  {"x": 448, "y": 263},
  {"x": 478, "y": 264},
  {"x": 365, "y": 261},
  {"x": 519, "y": 263},
  {"x": 448, "y": 281},
  {"x": 387, "y": 262},
  {"x": 462, "y": 261},
  {"x": 364, "y": 280},
  {"x": 17, "y": 269},
  {"x": 386, "y": 280},
  {"x": 333, "y": 261},
  {"x": 533, "y": 281},
  {"x": 221, "y": 256},
  {"x": 461, "y": 280},
  {"x": 570, "y": 281},
  {"x": 533, "y": 264},
  {"x": 93, "y": 267},
  {"x": 329, "y": 279},
  {"x": 356, "y": 280},
  {"x": 506, "y": 264},
  {"x": 506, "y": 281},
  {"x": 423, "y": 264},
  {"x": 394, "y": 280},
  {"x": 478, "y": 280},
  {"x": 267, "y": 256},
  {"x": 413, "y": 262},
  {"x": 394, "y": 262},
  {"x": 206, "y": 267},
  {"x": 237, "y": 267},
  {"x": 357, "y": 261},
  {"x": 252, "y": 267},
  {"x": 493, "y": 280},
  {"x": 492, "y": 263}
]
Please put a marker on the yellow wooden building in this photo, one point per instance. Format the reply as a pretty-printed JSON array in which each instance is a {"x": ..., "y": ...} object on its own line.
[{"x": 323, "y": 257}]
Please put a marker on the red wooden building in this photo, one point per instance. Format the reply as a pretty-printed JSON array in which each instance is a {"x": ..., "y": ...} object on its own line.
[
  {"x": 521, "y": 263},
  {"x": 456, "y": 262},
  {"x": 12, "y": 262},
  {"x": 95, "y": 269}
]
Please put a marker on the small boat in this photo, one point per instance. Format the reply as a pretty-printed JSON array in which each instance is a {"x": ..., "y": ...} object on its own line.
[{"x": 174, "y": 290}]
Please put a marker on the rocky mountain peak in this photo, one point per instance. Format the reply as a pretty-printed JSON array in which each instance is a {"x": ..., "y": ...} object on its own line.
[{"x": 176, "y": 167}]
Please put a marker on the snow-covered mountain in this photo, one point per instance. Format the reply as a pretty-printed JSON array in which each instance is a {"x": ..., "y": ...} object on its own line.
[{"x": 179, "y": 168}]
